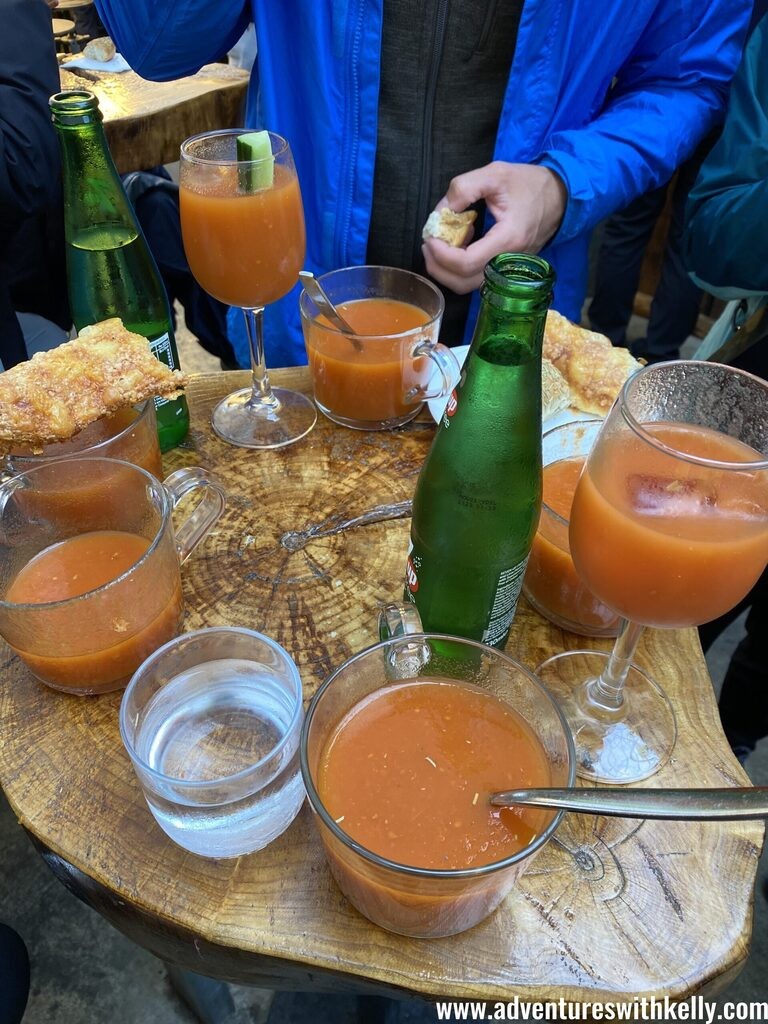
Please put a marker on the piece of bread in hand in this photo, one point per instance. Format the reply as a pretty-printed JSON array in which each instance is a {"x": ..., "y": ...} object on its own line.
[
  {"x": 555, "y": 392},
  {"x": 101, "y": 49},
  {"x": 452, "y": 227},
  {"x": 58, "y": 392},
  {"x": 594, "y": 369}
]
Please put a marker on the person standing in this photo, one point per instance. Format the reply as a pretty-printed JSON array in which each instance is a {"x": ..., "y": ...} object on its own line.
[
  {"x": 675, "y": 303},
  {"x": 32, "y": 278},
  {"x": 551, "y": 113},
  {"x": 726, "y": 250}
]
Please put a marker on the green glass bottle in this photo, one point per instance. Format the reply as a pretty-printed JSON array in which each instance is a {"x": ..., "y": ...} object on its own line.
[
  {"x": 478, "y": 496},
  {"x": 110, "y": 269}
]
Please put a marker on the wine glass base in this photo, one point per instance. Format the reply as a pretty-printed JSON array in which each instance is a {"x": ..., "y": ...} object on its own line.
[
  {"x": 612, "y": 746},
  {"x": 239, "y": 420}
]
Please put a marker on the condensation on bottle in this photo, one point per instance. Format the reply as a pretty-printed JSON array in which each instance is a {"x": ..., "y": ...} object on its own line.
[
  {"x": 110, "y": 269},
  {"x": 478, "y": 496}
]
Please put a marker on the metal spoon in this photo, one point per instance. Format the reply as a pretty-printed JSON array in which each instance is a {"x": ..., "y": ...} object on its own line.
[
  {"x": 317, "y": 293},
  {"x": 673, "y": 804}
]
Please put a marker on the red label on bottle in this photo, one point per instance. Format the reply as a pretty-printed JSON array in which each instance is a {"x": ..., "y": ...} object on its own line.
[
  {"x": 452, "y": 405},
  {"x": 411, "y": 579}
]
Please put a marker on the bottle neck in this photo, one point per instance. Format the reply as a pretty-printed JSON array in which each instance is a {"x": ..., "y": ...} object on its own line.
[
  {"x": 94, "y": 198},
  {"x": 515, "y": 297}
]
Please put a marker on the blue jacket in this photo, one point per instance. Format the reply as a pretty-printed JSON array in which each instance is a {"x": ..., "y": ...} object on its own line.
[{"x": 611, "y": 95}]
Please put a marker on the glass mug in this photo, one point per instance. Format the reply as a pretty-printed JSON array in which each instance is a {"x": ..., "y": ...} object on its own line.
[
  {"x": 211, "y": 722},
  {"x": 377, "y": 379},
  {"x": 129, "y": 434},
  {"x": 552, "y": 585},
  {"x": 417, "y": 901},
  {"x": 90, "y": 578}
]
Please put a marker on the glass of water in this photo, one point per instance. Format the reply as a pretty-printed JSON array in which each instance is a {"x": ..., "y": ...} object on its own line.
[{"x": 212, "y": 722}]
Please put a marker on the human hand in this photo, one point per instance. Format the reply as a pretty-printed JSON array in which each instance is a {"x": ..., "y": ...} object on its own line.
[
  {"x": 527, "y": 202},
  {"x": 52, "y": 3}
]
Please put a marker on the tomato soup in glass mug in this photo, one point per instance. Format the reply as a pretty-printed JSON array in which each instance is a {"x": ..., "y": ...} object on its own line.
[
  {"x": 90, "y": 566},
  {"x": 401, "y": 750},
  {"x": 129, "y": 434},
  {"x": 378, "y": 377}
]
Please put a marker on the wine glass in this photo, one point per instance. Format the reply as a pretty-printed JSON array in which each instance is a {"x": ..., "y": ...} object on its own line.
[
  {"x": 243, "y": 227},
  {"x": 669, "y": 527}
]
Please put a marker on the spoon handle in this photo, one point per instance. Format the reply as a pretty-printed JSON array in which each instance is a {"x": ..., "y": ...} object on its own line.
[
  {"x": 674, "y": 804},
  {"x": 317, "y": 293}
]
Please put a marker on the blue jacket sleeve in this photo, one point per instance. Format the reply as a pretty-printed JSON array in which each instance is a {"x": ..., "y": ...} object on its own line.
[
  {"x": 665, "y": 99},
  {"x": 725, "y": 242},
  {"x": 168, "y": 40}
]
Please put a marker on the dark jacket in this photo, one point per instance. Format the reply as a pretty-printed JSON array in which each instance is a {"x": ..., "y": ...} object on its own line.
[
  {"x": 725, "y": 240},
  {"x": 32, "y": 266},
  {"x": 724, "y": 245}
]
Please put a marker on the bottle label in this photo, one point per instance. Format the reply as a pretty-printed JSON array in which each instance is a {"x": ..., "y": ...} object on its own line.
[
  {"x": 161, "y": 349},
  {"x": 412, "y": 566},
  {"x": 504, "y": 603},
  {"x": 411, "y": 576},
  {"x": 450, "y": 408}
]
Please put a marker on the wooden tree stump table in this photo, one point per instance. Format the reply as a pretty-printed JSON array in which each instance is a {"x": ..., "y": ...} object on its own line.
[
  {"x": 146, "y": 122},
  {"x": 611, "y": 909}
]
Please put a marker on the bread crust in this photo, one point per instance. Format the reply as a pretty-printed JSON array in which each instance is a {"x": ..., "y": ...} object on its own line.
[
  {"x": 594, "y": 368},
  {"x": 452, "y": 227},
  {"x": 555, "y": 392},
  {"x": 58, "y": 392}
]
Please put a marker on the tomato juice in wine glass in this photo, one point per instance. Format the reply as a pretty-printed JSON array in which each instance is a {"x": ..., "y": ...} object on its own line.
[
  {"x": 669, "y": 527},
  {"x": 643, "y": 516},
  {"x": 243, "y": 227},
  {"x": 246, "y": 249}
]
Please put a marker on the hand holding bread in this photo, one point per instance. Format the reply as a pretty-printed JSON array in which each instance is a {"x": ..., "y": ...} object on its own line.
[{"x": 527, "y": 203}]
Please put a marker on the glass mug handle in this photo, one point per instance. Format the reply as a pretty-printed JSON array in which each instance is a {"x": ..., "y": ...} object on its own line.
[
  {"x": 411, "y": 656},
  {"x": 205, "y": 513},
  {"x": 399, "y": 620},
  {"x": 445, "y": 380}
]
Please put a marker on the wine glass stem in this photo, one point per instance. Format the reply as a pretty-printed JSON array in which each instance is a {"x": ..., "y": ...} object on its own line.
[
  {"x": 607, "y": 690},
  {"x": 254, "y": 325}
]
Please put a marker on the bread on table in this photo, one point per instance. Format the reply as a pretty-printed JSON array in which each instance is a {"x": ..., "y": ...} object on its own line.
[
  {"x": 594, "y": 368},
  {"x": 555, "y": 392},
  {"x": 101, "y": 49},
  {"x": 58, "y": 392},
  {"x": 452, "y": 227}
]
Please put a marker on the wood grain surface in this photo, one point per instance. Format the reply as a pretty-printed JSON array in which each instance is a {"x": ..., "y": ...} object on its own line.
[
  {"x": 611, "y": 908},
  {"x": 146, "y": 122}
]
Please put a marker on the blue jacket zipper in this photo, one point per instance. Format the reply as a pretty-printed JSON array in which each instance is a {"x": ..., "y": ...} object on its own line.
[{"x": 350, "y": 140}]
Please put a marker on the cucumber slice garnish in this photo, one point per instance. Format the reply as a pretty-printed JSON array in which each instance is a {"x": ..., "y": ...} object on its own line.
[{"x": 255, "y": 176}]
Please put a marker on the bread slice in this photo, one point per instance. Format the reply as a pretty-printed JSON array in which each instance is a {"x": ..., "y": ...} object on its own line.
[
  {"x": 101, "y": 49},
  {"x": 594, "y": 369},
  {"x": 452, "y": 227},
  {"x": 58, "y": 392},
  {"x": 555, "y": 393}
]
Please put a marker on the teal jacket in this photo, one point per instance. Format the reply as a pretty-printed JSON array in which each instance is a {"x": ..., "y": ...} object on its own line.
[
  {"x": 611, "y": 94},
  {"x": 724, "y": 245}
]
